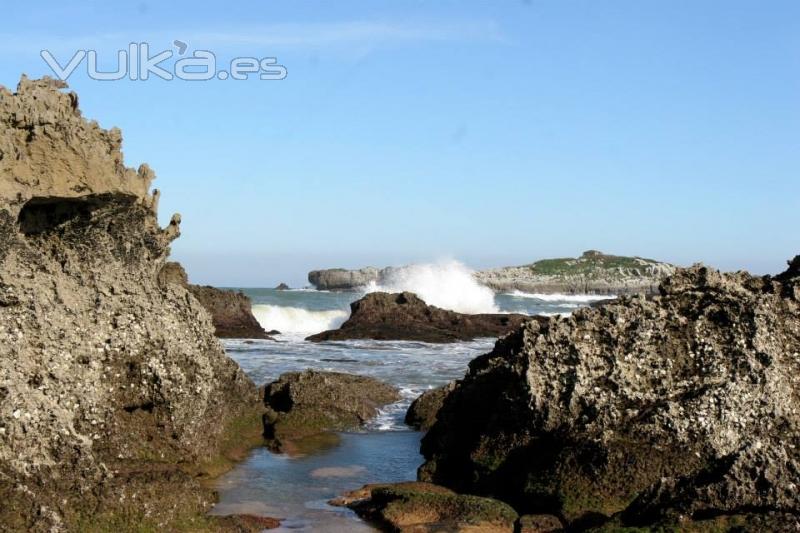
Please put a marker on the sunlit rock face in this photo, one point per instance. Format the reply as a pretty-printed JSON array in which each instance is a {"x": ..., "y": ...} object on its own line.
[{"x": 109, "y": 379}]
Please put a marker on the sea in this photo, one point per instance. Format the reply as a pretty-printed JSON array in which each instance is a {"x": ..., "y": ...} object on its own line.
[{"x": 296, "y": 488}]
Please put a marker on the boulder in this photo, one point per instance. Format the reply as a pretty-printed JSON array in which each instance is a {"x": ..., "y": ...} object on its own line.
[
  {"x": 423, "y": 507},
  {"x": 539, "y": 523},
  {"x": 404, "y": 316},
  {"x": 114, "y": 394},
  {"x": 282, "y": 287},
  {"x": 303, "y": 404},
  {"x": 421, "y": 413},
  {"x": 682, "y": 406}
]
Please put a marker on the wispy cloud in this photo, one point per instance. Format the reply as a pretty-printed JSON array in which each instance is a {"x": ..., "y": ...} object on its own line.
[{"x": 298, "y": 35}]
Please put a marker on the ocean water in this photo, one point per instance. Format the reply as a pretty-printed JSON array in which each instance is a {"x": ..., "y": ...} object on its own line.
[{"x": 297, "y": 488}]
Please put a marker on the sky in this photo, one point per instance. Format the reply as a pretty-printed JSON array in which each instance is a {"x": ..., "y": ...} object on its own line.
[{"x": 492, "y": 132}]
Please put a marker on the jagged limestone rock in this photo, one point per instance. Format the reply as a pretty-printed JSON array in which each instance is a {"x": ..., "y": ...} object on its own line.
[
  {"x": 112, "y": 385},
  {"x": 680, "y": 405}
]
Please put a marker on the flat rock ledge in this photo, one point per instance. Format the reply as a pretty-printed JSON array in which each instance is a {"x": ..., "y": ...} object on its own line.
[
  {"x": 405, "y": 316},
  {"x": 306, "y": 404}
]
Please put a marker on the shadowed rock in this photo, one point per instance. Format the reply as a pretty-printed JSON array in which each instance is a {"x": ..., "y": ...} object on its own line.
[
  {"x": 404, "y": 316},
  {"x": 422, "y": 412},
  {"x": 679, "y": 405}
]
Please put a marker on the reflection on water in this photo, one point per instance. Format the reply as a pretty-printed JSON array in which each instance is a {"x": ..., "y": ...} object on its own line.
[{"x": 297, "y": 488}]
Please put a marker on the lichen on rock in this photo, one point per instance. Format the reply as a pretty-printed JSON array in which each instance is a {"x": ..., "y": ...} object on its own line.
[{"x": 112, "y": 384}]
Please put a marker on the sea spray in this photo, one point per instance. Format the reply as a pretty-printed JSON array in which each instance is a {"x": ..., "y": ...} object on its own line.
[
  {"x": 298, "y": 320},
  {"x": 446, "y": 284}
]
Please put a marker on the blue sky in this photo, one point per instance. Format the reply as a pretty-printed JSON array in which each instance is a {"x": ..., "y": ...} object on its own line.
[{"x": 492, "y": 132}]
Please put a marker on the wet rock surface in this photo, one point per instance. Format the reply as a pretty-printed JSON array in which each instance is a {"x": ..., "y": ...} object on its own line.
[
  {"x": 423, "y": 507},
  {"x": 113, "y": 390},
  {"x": 404, "y": 316},
  {"x": 680, "y": 408},
  {"x": 303, "y": 404},
  {"x": 421, "y": 413}
]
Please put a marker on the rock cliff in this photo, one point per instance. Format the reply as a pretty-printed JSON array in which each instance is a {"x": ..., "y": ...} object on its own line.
[
  {"x": 671, "y": 409},
  {"x": 340, "y": 279},
  {"x": 113, "y": 390},
  {"x": 404, "y": 316}
]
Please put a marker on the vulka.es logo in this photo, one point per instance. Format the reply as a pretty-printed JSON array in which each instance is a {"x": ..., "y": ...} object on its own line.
[{"x": 138, "y": 63}]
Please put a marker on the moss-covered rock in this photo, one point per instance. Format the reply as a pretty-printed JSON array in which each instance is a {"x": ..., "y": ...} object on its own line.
[{"x": 423, "y": 507}]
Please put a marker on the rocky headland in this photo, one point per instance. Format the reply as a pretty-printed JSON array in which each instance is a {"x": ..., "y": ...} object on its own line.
[
  {"x": 116, "y": 399},
  {"x": 674, "y": 411},
  {"x": 592, "y": 273},
  {"x": 404, "y": 316}
]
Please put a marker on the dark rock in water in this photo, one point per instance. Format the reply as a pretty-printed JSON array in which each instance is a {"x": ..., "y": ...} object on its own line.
[
  {"x": 423, "y": 507},
  {"x": 282, "y": 287},
  {"x": 404, "y": 316},
  {"x": 301, "y": 404},
  {"x": 231, "y": 311},
  {"x": 115, "y": 397},
  {"x": 681, "y": 405},
  {"x": 421, "y": 413}
]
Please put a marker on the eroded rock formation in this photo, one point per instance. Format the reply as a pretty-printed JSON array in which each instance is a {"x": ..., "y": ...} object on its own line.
[
  {"x": 113, "y": 389},
  {"x": 679, "y": 407},
  {"x": 404, "y": 316}
]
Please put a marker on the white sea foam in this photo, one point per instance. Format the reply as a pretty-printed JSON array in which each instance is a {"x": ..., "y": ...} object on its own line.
[
  {"x": 577, "y": 298},
  {"x": 446, "y": 284},
  {"x": 296, "y": 319}
]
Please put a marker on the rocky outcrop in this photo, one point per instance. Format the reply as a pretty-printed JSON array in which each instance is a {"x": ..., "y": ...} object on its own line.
[
  {"x": 282, "y": 287},
  {"x": 113, "y": 390},
  {"x": 231, "y": 311},
  {"x": 422, "y": 507},
  {"x": 421, "y": 413},
  {"x": 404, "y": 316},
  {"x": 303, "y": 404},
  {"x": 591, "y": 273},
  {"x": 682, "y": 406},
  {"x": 340, "y": 279}
]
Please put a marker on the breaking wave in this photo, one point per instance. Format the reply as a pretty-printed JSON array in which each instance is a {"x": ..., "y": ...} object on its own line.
[
  {"x": 577, "y": 298},
  {"x": 446, "y": 284},
  {"x": 296, "y": 319}
]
